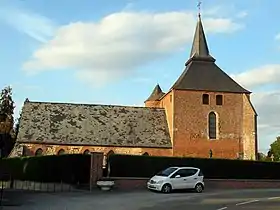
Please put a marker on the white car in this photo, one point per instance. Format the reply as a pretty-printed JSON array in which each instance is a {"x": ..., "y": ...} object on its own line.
[{"x": 174, "y": 178}]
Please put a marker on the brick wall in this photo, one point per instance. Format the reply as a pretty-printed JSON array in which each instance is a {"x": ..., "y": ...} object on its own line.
[
  {"x": 212, "y": 184},
  {"x": 154, "y": 104},
  {"x": 167, "y": 102},
  {"x": 249, "y": 140},
  {"x": 191, "y": 125},
  {"x": 54, "y": 149}
]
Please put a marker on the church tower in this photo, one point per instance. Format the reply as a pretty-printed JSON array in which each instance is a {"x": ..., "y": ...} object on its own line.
[{"x": 207, "y": 110}]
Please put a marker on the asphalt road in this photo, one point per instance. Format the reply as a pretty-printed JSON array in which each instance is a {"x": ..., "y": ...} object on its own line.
[{"x": 144, "y": 200}]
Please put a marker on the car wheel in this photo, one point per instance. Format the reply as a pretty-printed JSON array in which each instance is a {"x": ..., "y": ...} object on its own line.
[
  {"x": 198, "y": 188},
  {"x": 166, "y": 188}
]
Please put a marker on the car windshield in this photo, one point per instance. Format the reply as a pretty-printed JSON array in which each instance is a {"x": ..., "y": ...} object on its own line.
[{"x": 166, "y": 172}]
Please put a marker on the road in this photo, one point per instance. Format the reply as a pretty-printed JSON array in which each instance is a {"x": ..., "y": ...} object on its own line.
[
  {"x": 144, "y": 200},
  {"x": 228, "y": 200}
]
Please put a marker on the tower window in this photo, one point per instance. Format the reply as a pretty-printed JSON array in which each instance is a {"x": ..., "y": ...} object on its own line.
[
  {"x": 205, "y": 99},
  {"x": 219, "y": 100},
  {"x": 170, "y": 98},
  {"x": 212, "y": 125}
]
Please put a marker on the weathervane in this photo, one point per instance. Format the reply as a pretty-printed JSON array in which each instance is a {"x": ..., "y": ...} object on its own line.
[{"x": 199, "y": 7}]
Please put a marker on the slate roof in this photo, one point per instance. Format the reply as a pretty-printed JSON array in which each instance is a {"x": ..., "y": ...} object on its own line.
[
  {"x": 95, "y": 125},
  {"x": 201, "y": 72},
  {"x": 207, "y": 76},
  {"x": 156, "y": 94}
]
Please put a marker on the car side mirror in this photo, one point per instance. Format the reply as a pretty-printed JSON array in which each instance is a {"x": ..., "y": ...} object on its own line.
[{"x": 177, "y": 176}]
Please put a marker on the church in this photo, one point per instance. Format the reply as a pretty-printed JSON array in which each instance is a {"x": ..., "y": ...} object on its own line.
[{"x": 204, "y": 114}]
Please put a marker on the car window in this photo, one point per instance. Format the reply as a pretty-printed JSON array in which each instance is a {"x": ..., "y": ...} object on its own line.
[
  {"x": 200, "y": 173},
  {"x": 166, "y": 172},
  {"x": 185, "y": 173}
]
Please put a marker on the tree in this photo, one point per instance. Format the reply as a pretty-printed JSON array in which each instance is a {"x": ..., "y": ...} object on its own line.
[
  {"x": 7, "y": 104},
  {"x": 261, "y": 156},
  {"x": 275, "y": 149},
  {"x": 6, "y": 121},
  {"x": 16, "y": 128}
]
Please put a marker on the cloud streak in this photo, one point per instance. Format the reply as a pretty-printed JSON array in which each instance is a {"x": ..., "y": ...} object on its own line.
[{"x": 34, "y": 25}]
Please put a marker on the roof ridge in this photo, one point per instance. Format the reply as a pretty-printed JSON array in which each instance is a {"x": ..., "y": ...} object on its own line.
[{"x": 88, "y": 104}]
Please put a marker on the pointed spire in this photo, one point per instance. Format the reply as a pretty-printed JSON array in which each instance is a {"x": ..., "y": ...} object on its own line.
[
  {"x": 156, "y": 94},
  {"x": 199, "y": 46}
]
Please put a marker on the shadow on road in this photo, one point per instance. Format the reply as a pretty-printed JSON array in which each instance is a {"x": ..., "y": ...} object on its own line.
[{"x": 14, "y": 198}]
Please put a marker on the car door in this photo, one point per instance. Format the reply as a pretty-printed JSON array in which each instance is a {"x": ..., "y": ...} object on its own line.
[
  {"x": 191, "y": 178},
  {"x": 178, "y": 179}
]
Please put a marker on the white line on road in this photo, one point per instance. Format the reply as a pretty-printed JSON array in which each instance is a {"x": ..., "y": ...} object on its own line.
[
  {"x": 247, "y": 202},
  {"x": 222, "y": 208},
  {"x": 273, "y": 198}
]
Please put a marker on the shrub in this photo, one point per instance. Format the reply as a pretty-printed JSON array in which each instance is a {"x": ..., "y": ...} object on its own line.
[
  {"x": 65, "y": 168},
  {"x": 147, "y": 166}
]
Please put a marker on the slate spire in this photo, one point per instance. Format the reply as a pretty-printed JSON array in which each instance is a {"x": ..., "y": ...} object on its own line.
[
  {"x": 201, "y": 72},
  {"x": 156, "y": 94},
  {"x": 200, "y": 47}
]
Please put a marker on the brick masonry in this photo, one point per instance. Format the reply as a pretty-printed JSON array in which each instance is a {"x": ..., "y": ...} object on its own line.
[
  {"x": 139, "y": 184},
  {"x": 49, "y": 149},
  {"x": 188, "y": 124}
]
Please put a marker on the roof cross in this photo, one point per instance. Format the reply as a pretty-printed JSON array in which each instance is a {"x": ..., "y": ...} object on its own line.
[{"x": 199, "y": 7}]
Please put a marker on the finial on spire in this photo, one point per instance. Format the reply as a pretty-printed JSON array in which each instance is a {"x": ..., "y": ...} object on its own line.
[{"x": 199, "y": 8}]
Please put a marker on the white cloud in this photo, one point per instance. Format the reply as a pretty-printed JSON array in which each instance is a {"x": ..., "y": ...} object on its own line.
[
  {"x": 267, "y": 103},
  {"x": 261, "y": 76},
  {"x": 119, "y": 43},
  {"x": 277, "y": 37},
  {"x": 34, "y": 25},
  {"x": 242, "y": 14}
]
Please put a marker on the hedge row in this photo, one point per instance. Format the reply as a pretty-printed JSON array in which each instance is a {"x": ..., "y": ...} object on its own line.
[
  {"x": 147, "y": 166},
  {"x": 70, "y": 169}
]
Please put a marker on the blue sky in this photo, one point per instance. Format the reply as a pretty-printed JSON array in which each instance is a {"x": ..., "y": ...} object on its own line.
[{"x": 114, "y": 52}]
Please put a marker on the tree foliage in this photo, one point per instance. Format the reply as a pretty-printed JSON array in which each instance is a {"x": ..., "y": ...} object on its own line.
[
  {"x": 6, "y": 121},
  {"x": 262, "y": 157},
  {"x": 275, "y": 149},
  {"x": 7, "y": 104}
]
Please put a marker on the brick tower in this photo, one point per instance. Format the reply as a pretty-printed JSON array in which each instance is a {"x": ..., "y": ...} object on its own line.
[{"x": 207, "y": 110}]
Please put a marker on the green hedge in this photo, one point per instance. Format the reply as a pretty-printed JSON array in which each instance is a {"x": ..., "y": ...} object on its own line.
[
  {"x": 147, "y": 166},
  {"x": 65, "y": 168}
]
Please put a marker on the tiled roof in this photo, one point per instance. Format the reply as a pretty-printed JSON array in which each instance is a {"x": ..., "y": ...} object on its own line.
[
  {"x": 96, "y": 125},
  {"x": 156, "y": 94}
]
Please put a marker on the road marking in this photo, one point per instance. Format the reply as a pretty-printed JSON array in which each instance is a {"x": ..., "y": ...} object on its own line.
[
  {"x": 222, "y": 208},
  {"x": 273, "y": 198},
  {"x": 247, "y": 202}
]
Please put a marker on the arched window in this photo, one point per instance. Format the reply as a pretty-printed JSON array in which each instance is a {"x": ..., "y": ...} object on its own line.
[
  {"x": 146, "y": 154},
  {"x": 86, "y": 152},
  {"x": 111, "y": 152},
  {"x": 61, "y": 152},
  {"x": 212, "y": 125},
  {"x": 39, "y": 152}
]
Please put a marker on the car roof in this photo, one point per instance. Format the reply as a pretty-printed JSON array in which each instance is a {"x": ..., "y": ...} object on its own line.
[{"x": 186, "y": 167}]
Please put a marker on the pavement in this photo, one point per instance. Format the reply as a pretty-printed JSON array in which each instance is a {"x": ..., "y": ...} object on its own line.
[{"x": 258, "y": 199}]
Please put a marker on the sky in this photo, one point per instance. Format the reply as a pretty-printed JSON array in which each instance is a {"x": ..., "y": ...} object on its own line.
[{"x": 116, "y": 51}]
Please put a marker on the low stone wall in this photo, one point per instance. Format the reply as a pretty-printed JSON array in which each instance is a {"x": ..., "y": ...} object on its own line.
[
  {"x": 140, "y": 183},
  {"x": 37, "y": 186}
]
